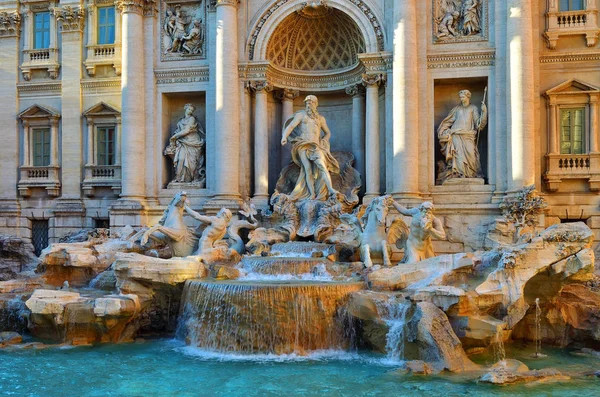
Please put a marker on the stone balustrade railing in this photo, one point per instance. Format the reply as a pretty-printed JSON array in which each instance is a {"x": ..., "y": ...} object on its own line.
[
  {"x": 571, "y": 19},
  {"x": 572, "y": 166},
  {"x": 45, "y": 177},
  {"x": 569, "y": 23},
  {"x": 103, "y": 54},
  {"x": 45, "y": 58},
  {"x": 101, "y": 176}
]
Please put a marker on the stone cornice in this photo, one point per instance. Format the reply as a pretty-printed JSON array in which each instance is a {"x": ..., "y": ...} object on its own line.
[
  {"x": 461, "y": 60},
  {"x": 38, "y": 88},
  {"x": 571, "y": 57},
  {"x": 71, "y": 18},
  {"x": 104, "y": 83},
  {"x": 131, "y": 6},
  {"x": 10, "y": 24},
  {"x": 329, "y": 81}
]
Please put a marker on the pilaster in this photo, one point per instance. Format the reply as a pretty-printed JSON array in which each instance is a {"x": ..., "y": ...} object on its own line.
[
  {"x": 69, "y": 211},
  {"x": 357, "y": 92},
  {"x": 261, "y": 143},
  {"x": 372, "y": 146}
]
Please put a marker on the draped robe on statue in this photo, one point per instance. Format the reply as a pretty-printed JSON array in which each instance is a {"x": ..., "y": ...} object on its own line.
[
  {"x": 458, "y": 138},
  {"x": 313, "y": 150},
  {"x": 188, "y": 153}
]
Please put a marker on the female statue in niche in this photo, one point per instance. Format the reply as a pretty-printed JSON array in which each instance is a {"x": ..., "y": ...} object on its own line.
[
  {"x": 471, "y": 23},
  {"x": 458, "y": 136},
  {"x": 186, "y": 148}
]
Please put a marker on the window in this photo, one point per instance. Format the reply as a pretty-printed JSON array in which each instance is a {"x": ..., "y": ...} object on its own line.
[
  {"x": 572, "y": 127},
  {"x": 571, "y": 5},
  {"x": 41, "y": 30},
  {"x": 105, "y": 145},
  {"x": 41, "y": 147},
  {"x": 39, "y": 235},
  {"x": 106, "y": 25}
]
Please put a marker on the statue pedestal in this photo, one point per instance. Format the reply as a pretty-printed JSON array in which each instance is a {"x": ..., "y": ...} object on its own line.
[
  {"x": 187, "y": 185},
  {"x": 463, "y": 182}
]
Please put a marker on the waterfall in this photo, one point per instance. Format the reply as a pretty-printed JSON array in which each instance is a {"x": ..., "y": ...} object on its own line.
[
  {"x": 283, "y": 317},
  {"x": 498, "y": 345},
  {"x": 393, "y": 311},
  {"x": 538, "y": 330}
]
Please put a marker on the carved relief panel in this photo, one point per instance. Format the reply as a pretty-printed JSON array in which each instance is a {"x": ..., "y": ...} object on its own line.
[
  {"x": 456, "y": 21},
  {"x": 183, "y": 30}
]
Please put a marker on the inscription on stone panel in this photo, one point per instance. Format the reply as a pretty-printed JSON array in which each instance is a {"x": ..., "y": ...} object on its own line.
[
  {"x": 456, "y": 21},
  {"x": 182, "y": 30}
]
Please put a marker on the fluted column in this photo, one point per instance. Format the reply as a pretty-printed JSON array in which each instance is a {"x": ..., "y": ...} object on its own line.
[
  {"x": 227, "y": 125},
  {"x": 405, "y": 145},
  {"x": 372, "y": 136},
  {"x": 521, "y": 109},
  {"x": 133, "y": 125},
  {"x": 357, "y": 92},
  {"x": 261, "y": 143},
  {"x": 152, "y": 137}
]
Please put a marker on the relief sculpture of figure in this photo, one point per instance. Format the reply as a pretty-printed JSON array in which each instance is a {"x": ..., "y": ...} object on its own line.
[
  {"x": 470, "y": 13},
  {"x": 178, "y": 31},
  {"x": 310, "y": 151},
  {"x": 423, "y": 226},
  {"x": 186, "y": 147},
  {"x": 192, "y": 42},
  {"x": 458, "y": 136},
  {"x": 169, "y": 29}
]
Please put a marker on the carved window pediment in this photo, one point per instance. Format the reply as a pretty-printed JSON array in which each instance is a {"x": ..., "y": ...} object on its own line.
[
  {"x": 573, "y": 120},
  {"x": 38, "y": 112},
  {"x": 102, "y": 110}
]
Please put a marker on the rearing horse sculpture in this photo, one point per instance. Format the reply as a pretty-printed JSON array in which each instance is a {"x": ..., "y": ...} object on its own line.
[
  {"x": 171, "y": 229},
  {"x": 375, "y": 237}
]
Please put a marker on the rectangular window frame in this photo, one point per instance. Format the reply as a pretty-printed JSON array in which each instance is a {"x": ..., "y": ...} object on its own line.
[
  {"x": 41, "y": 146},
  {"x": 584, "y": 132},
  {"x": 106, "y": 28},
  {"x": 570, "y": 5},
  {"x": 41, "y": 34},
  {"x": 105, "y": 148}
]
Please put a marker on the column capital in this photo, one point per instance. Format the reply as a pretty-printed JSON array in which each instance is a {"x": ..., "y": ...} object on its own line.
[
  {"x": 218, "y": 3},
  {"x": 10, "y": 22},
  {"x": 594, "y": 99},
  {"x": 131, "y": 6},
  {"x": 70, "y": 18},
  {"x": 372, "y": 79},
  {"x": 356, "y": 90},
  {"x": 260, "y": 85},
  {"x": 150, "y": 9},
  {"x": 287, "y": 94}
]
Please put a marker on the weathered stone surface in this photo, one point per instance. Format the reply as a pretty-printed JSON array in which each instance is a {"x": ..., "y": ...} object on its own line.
[
  {"x": 137, "y": 273},
  {"x": 436, "y": 340},
  {"x": 513, "y": 371},
  {"x": 16, "y": 256},
  {"x": 69, "y": 317},
  {"x": 416, "y": 367},
  {"x": 76, "y": 263},
  {"x": 10, "y": 338}
]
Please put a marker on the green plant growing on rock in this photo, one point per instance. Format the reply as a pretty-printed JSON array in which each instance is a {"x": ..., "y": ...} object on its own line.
[{"x": 523, "y": 211}]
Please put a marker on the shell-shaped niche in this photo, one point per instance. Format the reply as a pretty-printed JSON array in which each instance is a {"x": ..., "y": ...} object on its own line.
[{"x": 315, "y": 40}]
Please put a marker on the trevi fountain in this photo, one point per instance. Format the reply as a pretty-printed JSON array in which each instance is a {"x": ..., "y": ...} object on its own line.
[{"x": 319, "y": 284}]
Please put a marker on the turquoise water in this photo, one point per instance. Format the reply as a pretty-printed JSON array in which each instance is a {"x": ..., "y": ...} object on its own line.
[{"x": 166, "y": 368}]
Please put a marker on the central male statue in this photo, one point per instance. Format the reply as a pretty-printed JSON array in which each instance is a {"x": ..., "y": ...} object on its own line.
[{"x": 311, "y": 153}]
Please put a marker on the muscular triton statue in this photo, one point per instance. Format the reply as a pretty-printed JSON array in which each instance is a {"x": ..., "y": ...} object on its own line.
[
  {"x": 216, "y": 227},
  {"x": 310, "y": 151},
  {"x": 423, "y": 226}
]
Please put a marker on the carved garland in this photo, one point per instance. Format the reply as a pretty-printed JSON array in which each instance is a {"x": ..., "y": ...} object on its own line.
[
  {"x": 10, "y": 23},
  {"x": 358, "y": 3}
]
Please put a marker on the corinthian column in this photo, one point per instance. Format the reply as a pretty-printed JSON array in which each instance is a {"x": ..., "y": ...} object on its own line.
[
  {"x": 227, "y": 116},
  {"x": 519, "y": 30},
  {"x": 261, "y": 144},
  {"x": 133, "y": 123},
  {"x": 357, "y": 92},
  {"x": 372, "y": 136},
  {"x": 405, "y": 144}
]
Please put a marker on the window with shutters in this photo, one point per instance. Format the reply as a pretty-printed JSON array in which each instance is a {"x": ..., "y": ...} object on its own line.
[
  {"x": 105, "y": 154},
  {"x": 41, "y": 147},
  {"x": 572, "y": 131}
]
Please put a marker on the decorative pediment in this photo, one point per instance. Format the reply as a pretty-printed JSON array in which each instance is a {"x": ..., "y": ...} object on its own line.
[
  {"x": 102, "y": 109},
  {"x": 573, "y": 86},
  {"x": 39, "y": 112}
]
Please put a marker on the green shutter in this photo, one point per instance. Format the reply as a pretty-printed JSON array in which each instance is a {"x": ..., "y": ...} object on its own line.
[
  {"x": 41, "y": 147},
  {"x": 105, "y": 148}
]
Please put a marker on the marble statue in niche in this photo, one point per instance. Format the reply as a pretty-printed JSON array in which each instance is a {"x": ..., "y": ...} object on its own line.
[
  {"x": 458, "y": 135},
  {"x": 182, "y": 32},
  {"x": 310, "y": 151},
  {"x": 457, "y": 20},
  {"x": 187, "y": 150}
]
